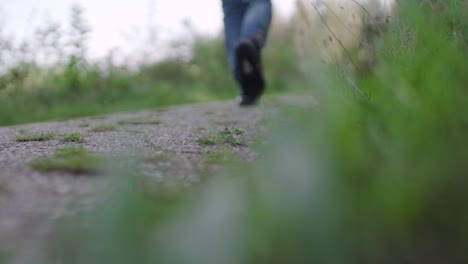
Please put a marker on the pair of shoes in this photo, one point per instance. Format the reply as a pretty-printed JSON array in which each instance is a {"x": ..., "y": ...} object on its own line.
[{"x": 249, "y": 62}]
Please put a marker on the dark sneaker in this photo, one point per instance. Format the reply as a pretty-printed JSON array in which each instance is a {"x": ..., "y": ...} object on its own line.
[
  {"x": 246, "y": 100},
  {"x": 251, "y": 73}
]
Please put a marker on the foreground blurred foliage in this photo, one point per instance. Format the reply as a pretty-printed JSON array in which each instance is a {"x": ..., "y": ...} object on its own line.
[
  {"x": 50, "y": 76},
  {"x": 376, "y": 174}
]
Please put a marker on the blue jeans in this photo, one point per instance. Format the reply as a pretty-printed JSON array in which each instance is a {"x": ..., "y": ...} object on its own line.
[{"x": 245, "y": 19}]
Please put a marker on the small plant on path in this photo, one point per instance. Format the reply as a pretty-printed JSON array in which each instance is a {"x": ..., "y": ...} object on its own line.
[
  {"x": 25, "y": 137},
  {"x": 103, "y": 128},
  {"x": 225, "y": 137},
  {"x": 74, "y": 138},
  {"x": 75, "y": 160},
  {"x": 207, "y": 140},
  {"x": 139, "y": 122}
]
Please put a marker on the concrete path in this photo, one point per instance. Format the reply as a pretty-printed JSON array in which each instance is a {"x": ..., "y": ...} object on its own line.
[{"x": 176, "y": 145}]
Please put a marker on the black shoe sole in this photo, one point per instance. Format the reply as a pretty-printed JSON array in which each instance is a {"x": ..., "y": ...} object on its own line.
[
  {"x": 252, "y": 81},
  {"x": 248, "y": 101}
]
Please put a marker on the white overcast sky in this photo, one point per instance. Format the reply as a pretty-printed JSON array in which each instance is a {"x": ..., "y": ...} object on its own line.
[{"x": 112, "y": 20}]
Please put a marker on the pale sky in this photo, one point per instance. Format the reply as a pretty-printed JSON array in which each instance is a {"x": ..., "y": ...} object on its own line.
[{"x": 115, "y": 22}]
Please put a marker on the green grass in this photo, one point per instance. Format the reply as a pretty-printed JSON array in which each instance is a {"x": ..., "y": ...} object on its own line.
[
  {"x": 207, "y": 140},
  {"x": 76, "y": 160},
  {"x": 26, "y": 137},
  {"x": 139, "y": 122},
  {"x": 74, "y": 137},
  {"x": 226, "y": 137},
  {"x": 238, "y": 132},
  {"x": 103, "y": 128}
]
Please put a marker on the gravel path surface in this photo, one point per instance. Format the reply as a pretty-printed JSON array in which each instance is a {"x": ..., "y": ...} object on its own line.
[{"x": 172, "y": 145}]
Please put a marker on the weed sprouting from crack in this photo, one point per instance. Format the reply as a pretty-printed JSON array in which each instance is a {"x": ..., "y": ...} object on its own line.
[
  {"x": 225, "y": 137},
  {"x": 104, "y": 128},
  {"x": 76, "y": 160},
  {"x": 238, "y": 132},
  {"x": 207, "y": 140},
  {"x": 228, "y": 137},
  {"x": 139, "y": 122},
  {"x": 74, "y": 138},
  {"x": 26, "y": 137}
]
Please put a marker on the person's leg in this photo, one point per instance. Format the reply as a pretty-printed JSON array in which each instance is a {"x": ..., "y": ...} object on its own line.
[
  {"x": 256, "y": 22},
  {"x": 234, "y": 11},
  {"x": 254, "y": 31}
]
